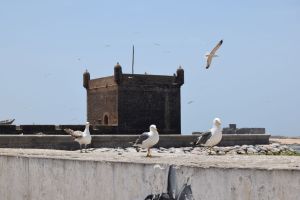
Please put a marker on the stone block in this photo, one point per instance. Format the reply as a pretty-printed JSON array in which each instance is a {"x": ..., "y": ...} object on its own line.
[
  {"x": 36, "y": 129},
  {"x": 8, "y": 129},
  {"x": 251, "y": 131}
]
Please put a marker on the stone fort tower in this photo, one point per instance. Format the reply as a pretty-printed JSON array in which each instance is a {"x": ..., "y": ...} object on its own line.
[{"x": 130, "y": 103}]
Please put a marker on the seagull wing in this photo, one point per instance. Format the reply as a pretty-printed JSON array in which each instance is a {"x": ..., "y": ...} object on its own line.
[
  {"x": 216, "y": 48},
  {"x": 208, "y": 61},
  {"x": 144, "y": 136},
  {"x": 212, "y": 53},
  {"x": 74, "y": 134},
  {"x": 202, "y": 139}
]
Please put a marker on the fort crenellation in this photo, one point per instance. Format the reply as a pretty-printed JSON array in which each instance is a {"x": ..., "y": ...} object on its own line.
[{"x": 132, "y": 102}]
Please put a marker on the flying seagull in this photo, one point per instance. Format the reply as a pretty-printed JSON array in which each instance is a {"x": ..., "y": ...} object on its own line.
[
  {"x": 190, "y": 102},
  {"x": 148, "y": 139},
  {"x": 83, "y": 138},
  {"x": 209, "y": 56},
  {"x": 211, "y": 138}
]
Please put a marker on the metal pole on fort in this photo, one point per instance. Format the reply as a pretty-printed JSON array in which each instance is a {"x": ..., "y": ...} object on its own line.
[{"x": 132, "y": 59}]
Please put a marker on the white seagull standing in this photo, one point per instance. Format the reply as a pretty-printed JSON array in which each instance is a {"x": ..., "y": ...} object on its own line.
[
  {"x": 148, "y": 139},
  {"x": 83, "y": 138},
  {"x": 209, "y": 56},
  {"x": 213, "y": 137}
]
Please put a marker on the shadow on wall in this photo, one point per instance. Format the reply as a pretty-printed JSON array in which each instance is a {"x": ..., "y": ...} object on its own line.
[{"x": 173, "y": 193}]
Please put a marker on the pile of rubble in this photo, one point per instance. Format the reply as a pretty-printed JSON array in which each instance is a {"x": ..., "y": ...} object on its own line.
[{"x": 271, "y": 149}]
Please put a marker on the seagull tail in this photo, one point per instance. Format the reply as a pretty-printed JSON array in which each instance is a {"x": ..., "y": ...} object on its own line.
[
  {"x": 134, "y": 144},
  {"x": 194, "y": 143},
  {"x": 69, "y": 131},
  {"x": 137, "y": 148}
]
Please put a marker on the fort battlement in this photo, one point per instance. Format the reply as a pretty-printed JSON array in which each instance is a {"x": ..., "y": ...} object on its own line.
[
  {"x": 53, "y": 137},
  {"x": 100, "y": 130},
  {"x": 132, "y": 102}
]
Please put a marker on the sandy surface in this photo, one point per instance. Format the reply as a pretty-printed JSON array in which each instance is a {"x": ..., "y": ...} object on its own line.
[
  {"x": 285, "y": 140},
  {"x": 225, "y": 161}
]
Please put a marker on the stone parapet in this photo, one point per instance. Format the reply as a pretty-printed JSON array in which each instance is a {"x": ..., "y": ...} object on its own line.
[{"x": 114, "y": 141}]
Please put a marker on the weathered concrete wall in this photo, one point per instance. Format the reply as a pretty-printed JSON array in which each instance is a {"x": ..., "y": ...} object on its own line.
[
  {"x": 49, "y": 178},
  {"x": 244, "y": 131},
  {"x": 113, "y": 141}
]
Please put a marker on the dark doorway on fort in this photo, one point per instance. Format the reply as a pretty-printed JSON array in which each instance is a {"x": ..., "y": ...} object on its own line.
[{"x": 105, "y": 120}]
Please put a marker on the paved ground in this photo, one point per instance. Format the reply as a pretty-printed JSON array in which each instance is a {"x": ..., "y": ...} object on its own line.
[
  {"x": 224, "y": 161},
  {"x": 285, "y": 140}
]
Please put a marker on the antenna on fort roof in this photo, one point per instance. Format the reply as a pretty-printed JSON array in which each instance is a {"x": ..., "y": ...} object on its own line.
[{"x": 132, "y": 59}]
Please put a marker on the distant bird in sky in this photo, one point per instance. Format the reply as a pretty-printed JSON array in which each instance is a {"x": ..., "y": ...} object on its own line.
[
  {"x": 189, "y": 102},
  {"x": 47, "y": 75},
  {"x": 83, "y": 138},
  {"x": 148, "y": 139},
  {"x": 211, "y": 138},
  {"x": 209, "y": 56}
]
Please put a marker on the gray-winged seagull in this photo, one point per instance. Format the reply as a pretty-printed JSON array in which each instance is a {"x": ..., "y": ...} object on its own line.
[
  {"x": 211, "y": 138},
  {"x": 83, "y": 138},
  {"x": 148, "y": 139},
  {"x": 210, "y": 55}
]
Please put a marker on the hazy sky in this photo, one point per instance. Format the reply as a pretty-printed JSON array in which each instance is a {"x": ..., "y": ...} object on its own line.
[{"x": 45, "y": 47}]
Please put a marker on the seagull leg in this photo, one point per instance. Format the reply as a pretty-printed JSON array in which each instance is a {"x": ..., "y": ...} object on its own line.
[
  {"x": 80, "y": 148},
  {"x": 148, "y": 153},
  {"x": 85, "y": 148},
  {"x": 210, "y": 148}
]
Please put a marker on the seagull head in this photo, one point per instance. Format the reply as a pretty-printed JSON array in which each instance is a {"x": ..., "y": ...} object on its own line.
[
  {"x": 217, "y": 122},
  {"x": 153, "y": 128},
  {"x": 87, "y": 123}
]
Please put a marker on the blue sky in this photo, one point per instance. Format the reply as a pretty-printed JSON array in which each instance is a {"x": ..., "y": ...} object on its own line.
[{"x": 45, "y": 46}]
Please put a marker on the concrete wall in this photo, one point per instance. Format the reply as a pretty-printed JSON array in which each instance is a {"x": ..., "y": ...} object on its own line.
[
  {"x": 244, "y": 131},
  {"x": 113, "y": 141},
  {"x": 47, "y": 178}
]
